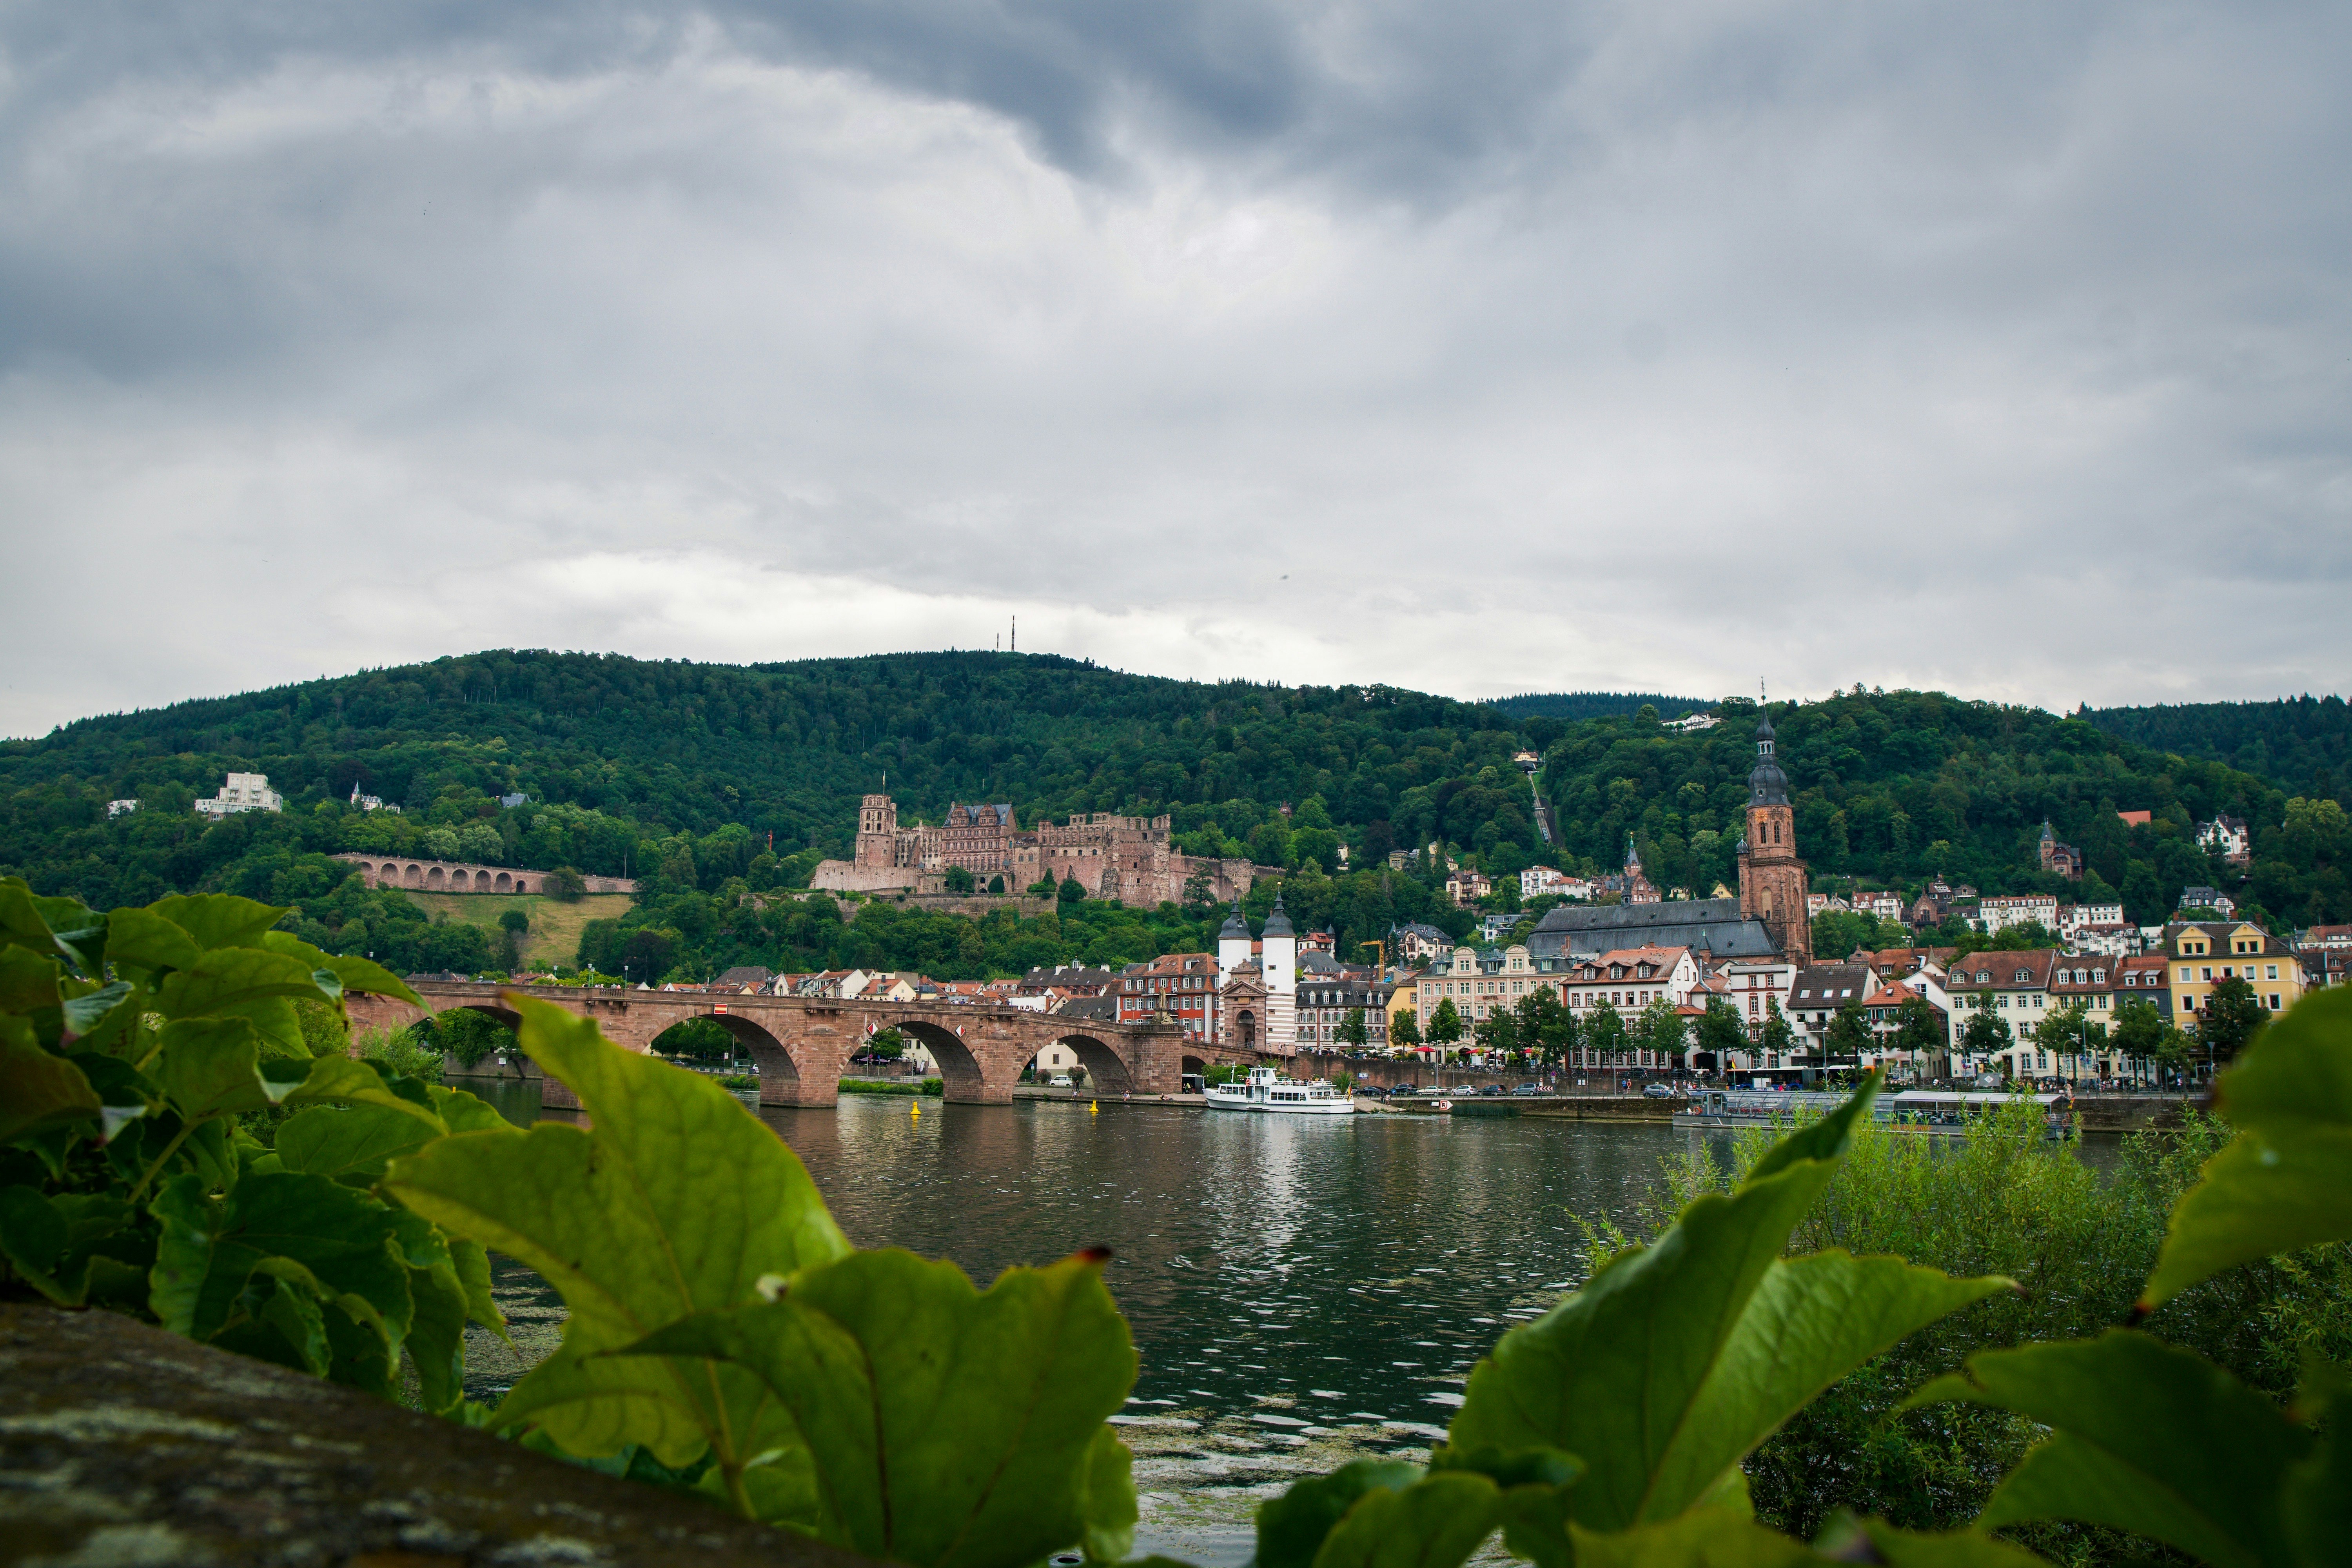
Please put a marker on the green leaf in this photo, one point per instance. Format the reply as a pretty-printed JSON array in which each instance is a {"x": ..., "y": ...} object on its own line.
[
  {"x": 1535, "y": 1504},
  {"x": 218, "y": 919},
  {"x": 354, "y": 1144},
  {"x": 1676, "y": 1359},
  {"x": 124, "y": 1094},
  {"x": 462, "y": 1112},
  {"x": 87, "y": 1016},
  {"x": 296, "y": 1315},
  {"x": 33, "y": 1238},
  {"x": 250, "y": 984},
  {"x": 349, "y": 974},
  {"x": 1291, "y": 1527},
  {"x": 437, "y": 1338},
  {"x": 2146, "y": 1437},
  {"x": 2285, "y": 1182},
  {"x": 1701, "y": 1538},
  {"x": 471, "y": 1262},
  {"x": 143, "y": 938},
  {"x": 210, "y": 1248},
  {"x": 949, "y": 1427},
  {"x": 62, "y": 927},
  {"x": 340, "y": 1080},
  {"x": 676, "y": 1200},
  {"x": 210, "y": 1067},
  {"x": 39, "y": 1089},
  {"x": 1107, "y": 1506},
  {"x": 1436, "y": 1522}
]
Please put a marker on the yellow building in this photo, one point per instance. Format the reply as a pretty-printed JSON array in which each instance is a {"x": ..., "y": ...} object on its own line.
[{"x": 2200, "y": 956}]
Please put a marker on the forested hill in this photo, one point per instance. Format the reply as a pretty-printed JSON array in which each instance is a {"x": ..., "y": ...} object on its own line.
[
  {"x": 2299, "y": 741},
  {"x": 679, "y": 772}
]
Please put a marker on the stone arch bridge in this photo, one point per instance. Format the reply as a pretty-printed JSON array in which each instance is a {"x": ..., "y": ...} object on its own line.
[{"x": 802, "y": 1044}]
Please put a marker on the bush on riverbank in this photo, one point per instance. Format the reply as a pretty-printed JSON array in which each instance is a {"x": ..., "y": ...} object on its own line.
[
  {"x": 929, "y": 1085},
  {"x": 2002, "y": 1200}
]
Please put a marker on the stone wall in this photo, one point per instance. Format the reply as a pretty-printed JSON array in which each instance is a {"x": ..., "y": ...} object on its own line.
[{"x": 122, "y": 1443}]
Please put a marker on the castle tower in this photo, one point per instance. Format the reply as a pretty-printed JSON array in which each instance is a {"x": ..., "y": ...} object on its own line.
[
  {"x": 878, "y": 831},
  {"x": 1772, "y": 884},
  {"x": 1278, "y": 960}
]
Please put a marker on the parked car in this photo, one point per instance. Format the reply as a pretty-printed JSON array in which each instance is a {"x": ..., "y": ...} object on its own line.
[
  {"x": 1405, "y": 1088},
  {"x": 1658, "y": 1091},
  {"x": 1528, "y": 1088},
  {"x": 1492, "y": 1089},
  {"x": 1060, "y": 1081}
]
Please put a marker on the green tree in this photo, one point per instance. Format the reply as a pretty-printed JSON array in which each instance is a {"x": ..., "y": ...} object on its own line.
[
  {"x": 2069, "y": 1034},
  {"x": 1545, "y": 1026},
  {"x": 1986, "y": 1033},
  {"x": 1445, "y": 1024},
  {"x": 1072, "y": 891},
  {"x": 1352, "y": 1030},
  {"x": 957, "y": 879},
  {"x": 565, "y": 885},
  {"x": 1604, "y": 1030},
  {"x": 1777, "y": 1038},
  {"x": 887, "y": 1043},
  {"x": 1847, "y": 1037},
  {"x": 1918, "y": 1029},
  {"x": 2234, "y": 1016},
  {"x": 1405, "y": 1029},
  {"x": 1660, "y": 1029},
  {"x": 1721, "y": 1033},
  {"x": 1499, "y": 1032}
]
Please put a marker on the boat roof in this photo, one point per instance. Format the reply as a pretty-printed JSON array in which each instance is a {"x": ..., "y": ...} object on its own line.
[{"x": 1957, "y": 1096}]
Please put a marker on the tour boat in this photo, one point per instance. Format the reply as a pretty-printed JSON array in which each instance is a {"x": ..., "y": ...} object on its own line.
[{"x": 1267, "y": 1090}]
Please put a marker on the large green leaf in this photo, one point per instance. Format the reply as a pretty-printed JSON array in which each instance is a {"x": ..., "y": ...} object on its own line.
[
  {"x": 350, "y": 1144},
  {"x": 251, "y": 983},
  {"x": 210, "y": 1247},
  {"x": 1291, "y": 1527},
  {"x": 38, "y": 1089},
  {"x": 1676, "y": 1361},
  {"x": 210, "y": 1067},
  {"x": 338, "y": 1079},
  {"x": 144, "y": 939},
  {"x": 1436, "y": 1522},
  {"x": 349, "y": 974},
  {"x": 677, "y": 1200},
  {"x": 64, "y": 928},
  {"x": 2285, "y": 1182},
  {"x": 1850, "y": 1539},
  {"x": 2145, "y": 1437},
  {"x": 949, "y": 1427},
  {"x": 218, "y": 919}
]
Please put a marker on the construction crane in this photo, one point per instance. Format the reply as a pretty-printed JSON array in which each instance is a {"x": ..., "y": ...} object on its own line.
[{"x": 1382, "y": 949}]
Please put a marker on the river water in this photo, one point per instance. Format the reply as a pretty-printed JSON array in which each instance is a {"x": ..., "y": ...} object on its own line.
[{"x": 1302, "y": 1290}]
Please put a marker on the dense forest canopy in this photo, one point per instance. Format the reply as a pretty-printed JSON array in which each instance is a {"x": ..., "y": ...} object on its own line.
[
  {"x": 1593, "y": 704},
  {"x": 2304, "y": 741},
  {"x": 710, "y": 783}
]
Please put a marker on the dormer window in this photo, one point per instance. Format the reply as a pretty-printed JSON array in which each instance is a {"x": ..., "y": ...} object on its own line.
[
  {"x": 2024, "y": 976},
  {"x": 2098, "y": 977}
]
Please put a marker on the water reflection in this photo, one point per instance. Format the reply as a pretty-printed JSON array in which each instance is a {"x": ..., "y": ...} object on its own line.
[{"x": 1302, "y": 1291}]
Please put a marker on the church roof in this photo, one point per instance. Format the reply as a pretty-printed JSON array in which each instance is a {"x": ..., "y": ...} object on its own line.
[
  {"x": 1276, "y": 922},
  {"x": 1234, "y": 926},
  {"x": 1715, "y": 924}
]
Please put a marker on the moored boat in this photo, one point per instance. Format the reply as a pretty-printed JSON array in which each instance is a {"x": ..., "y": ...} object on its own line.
[{"x": 1266, "y": 1090}]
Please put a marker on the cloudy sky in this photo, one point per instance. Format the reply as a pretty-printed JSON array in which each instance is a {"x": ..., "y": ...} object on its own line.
[{"x": 1483, "y": 347}]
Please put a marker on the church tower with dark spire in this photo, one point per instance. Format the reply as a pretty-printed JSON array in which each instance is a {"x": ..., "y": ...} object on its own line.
[{"x": 1772, "y": 883}]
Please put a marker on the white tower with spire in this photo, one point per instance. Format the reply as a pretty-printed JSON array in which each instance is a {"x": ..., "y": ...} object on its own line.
[
  {"x": 1278, "y": 962},
  {"x": 1232, "y": 944}
]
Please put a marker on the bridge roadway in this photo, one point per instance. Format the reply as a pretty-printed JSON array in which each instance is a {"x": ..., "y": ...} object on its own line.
[{"x": 801, "y": 1046}]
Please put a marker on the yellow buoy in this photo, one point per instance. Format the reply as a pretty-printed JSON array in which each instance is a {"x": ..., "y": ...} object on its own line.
[
  {"x": 1094, "y": 1108},
  {"x": 916, "y": 1109}
]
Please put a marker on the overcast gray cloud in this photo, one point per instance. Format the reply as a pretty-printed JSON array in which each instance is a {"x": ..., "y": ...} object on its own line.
[{"x": 1485, "y": 347}]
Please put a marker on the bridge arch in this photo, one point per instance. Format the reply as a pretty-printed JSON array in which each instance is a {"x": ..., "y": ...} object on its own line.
[
  {"x": 1105, "y": 1068},
  {"x": 961, "y": 1074},
  {"x": 770, "y": 1059}
]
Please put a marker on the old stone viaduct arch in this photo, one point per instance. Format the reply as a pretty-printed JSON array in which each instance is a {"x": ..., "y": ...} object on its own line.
[{"x": 802, "y": 1044}]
